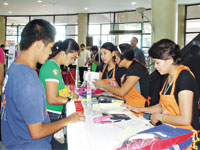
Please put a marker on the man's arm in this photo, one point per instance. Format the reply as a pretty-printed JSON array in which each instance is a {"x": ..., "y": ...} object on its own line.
[{"x": 41, "y": 130}]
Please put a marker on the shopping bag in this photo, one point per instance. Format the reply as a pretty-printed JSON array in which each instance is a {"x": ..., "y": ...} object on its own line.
[{"x": 158, "y": 138}]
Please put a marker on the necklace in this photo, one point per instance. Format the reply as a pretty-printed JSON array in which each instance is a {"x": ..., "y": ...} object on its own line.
[
  {"x": 108, "y": 75},
  {"x": 168, "y": 85}
]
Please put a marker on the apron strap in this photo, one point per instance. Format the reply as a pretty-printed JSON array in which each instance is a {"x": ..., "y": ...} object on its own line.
[
  {"x": 104, "y": 70},
  {"x": 148, "y": 101}
]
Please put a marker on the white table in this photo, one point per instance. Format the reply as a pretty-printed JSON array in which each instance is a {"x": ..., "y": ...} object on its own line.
[{"x": 91, "y": 136}]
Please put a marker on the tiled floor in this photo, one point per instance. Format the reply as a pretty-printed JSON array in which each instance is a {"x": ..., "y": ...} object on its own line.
[{"x": 2, "y": 147}]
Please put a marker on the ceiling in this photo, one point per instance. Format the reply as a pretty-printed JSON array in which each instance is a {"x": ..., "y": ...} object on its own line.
[{"x": 51, "y": 7}]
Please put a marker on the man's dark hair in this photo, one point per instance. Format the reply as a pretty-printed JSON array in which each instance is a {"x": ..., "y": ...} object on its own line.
[
  {"x": 82, "y": 45},
  {"x": 135, "y": 39},
  {"x": 94, "y": 48},
  {"x": 2, "y": 46},
  {"x": 37, "y": 30}
]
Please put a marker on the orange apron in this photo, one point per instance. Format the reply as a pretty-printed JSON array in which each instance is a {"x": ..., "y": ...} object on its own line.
[
  {"x": 168, "y": 102},
  {"x": 112, "y": 80},
  {"x": 136, "y": 99}
]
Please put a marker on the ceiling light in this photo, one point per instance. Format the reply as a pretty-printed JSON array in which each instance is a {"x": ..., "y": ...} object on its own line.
[
  {"x": 39, "y": 1},
  {"x": 86, "y": 8},
  {"x": 133, "y": 3},
  {"x": 140, "y": 10},
  {"x": 5, "y": 3},
  {"x": 10, "y": 12}
]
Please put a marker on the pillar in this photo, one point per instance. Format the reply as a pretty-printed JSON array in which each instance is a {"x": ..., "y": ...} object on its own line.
[
  {"x": 2, "y": 30},
  {"x": 181, "y": 25},
  {"x": 82, "y": 28},
  {"x": 164, "y": 19}
]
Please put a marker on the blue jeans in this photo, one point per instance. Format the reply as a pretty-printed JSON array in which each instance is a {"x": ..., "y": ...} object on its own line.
[
  {"x": 146, "y": 116},
  {"x": 55, "y": 144}
]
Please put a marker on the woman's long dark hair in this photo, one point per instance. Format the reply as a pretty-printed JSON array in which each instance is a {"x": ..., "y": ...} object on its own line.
[
  {"x": 108, "y": 46},
  {"x": 68, "y": 46},
  {"x": 164, "y": 49},
  {"x": 126, "y": 51}
]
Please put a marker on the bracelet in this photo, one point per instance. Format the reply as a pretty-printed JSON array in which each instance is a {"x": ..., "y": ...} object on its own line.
[{"x": 161, "y": 117}]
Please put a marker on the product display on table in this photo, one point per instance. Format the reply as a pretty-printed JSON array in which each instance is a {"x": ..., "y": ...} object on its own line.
[
  {"x": 160, "y": 137},
  {"x": 109, "y": 99}
]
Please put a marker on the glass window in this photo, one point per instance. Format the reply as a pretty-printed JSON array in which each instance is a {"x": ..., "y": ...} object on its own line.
[
  {"x": 99, "y": 29},
  {"x": 126, "y": 38},
  {"x": 192, "y": 22},
  {"x": 147, "y": 27},
  {"x": 96, "y": 40},
  {"x": 11, "y": 30},
  {"x": 190, "y": 37},
  {"x": 145, "y": 50},
  {"x": 193, "y": 25},
  {"x": 127, "y": 17},
  {"x": 17, "y": 20},
  {"x": 132, "y": 16},
  {"x": 47, "y": 18},
  {"x": 193, "y": 11},
  {"x": 148, "y": 15},
  {"x": 107, "y": 38},
  {"x": 105, "y": 28},
  {"x": 20, "y": 29},
  {"x": 18, "y": 39},
  {"x": 64, "y": 20},
  {"x": 128, "y": 26},
  {"x": 60, "y": 30},
  {"x": 94, "y": 29},
  {"x": 73, "y": 37},
  {"x": 146, "y": 41},
  {"x": 101, "y": 18},
  {"x": 11, "y": 39},
  {"x": 72, "y": 30},
  {"x": 60, "y": 37}
]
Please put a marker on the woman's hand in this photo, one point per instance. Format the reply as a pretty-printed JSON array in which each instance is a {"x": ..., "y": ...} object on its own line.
[
  {"x": 130, "y": 108},
  {"x": 74, "y": 96},
  {"x": 99, "y": 83},
  {"x": 76, "y": 117},
  {"x": 155, "y": 118}
]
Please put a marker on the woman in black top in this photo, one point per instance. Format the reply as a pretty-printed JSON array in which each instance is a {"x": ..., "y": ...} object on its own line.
[
  {"x": 110, "y": 72},
  {"x": 178, "y": 104},
  {"x": 135, "y": 85}
]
